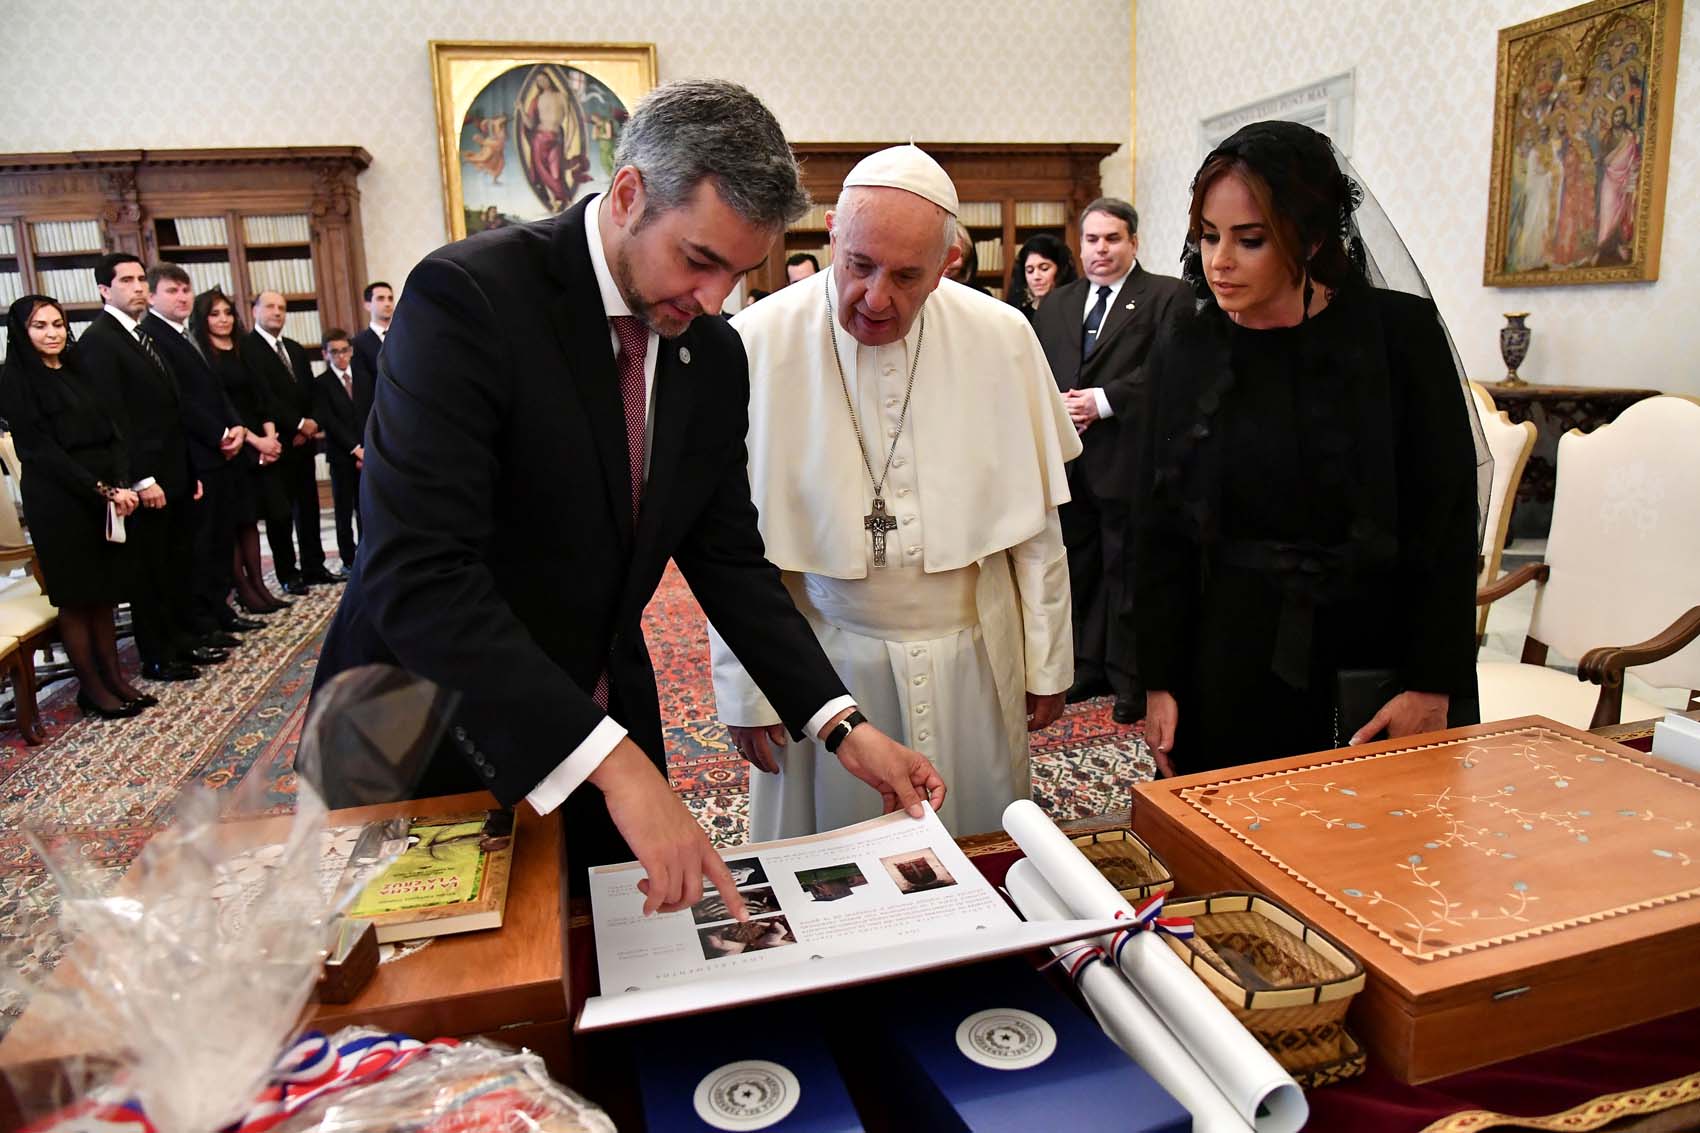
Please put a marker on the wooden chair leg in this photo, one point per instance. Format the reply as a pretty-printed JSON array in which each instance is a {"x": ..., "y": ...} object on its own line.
[{"x": 24, "y": 690}]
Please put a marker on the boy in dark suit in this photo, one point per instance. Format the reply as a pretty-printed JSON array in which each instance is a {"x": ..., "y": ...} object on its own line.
[{"x": 337, "y": 409}]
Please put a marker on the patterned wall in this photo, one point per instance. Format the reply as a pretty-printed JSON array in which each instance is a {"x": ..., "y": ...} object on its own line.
[
  {"x": 72, "y": 76},
  {"x": 1423, "y": 136}
]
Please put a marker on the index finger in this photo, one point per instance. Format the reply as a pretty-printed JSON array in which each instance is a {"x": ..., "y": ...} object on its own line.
[{"x": 714, "y": 868}]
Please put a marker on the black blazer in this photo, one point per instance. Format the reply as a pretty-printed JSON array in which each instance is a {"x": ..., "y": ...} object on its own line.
[
  {"x": 207, "y": 411},
  {"x": 1143, "y": 305},
  {"x": 339, "y": 416},
  {"x": 499, "y": 555},
  {"x": 144, "y": 402},
  {"x": 367, "y": 346},
  {"x": 290, "y": 391}
]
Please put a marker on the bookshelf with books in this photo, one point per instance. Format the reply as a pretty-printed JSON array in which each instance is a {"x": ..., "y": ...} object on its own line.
[
  {"x": 242, "y": 219},
  {"x": 1009, "y": 192}
]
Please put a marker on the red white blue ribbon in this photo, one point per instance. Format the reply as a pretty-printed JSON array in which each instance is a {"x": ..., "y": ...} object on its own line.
[
  {"x": 1076, "y": 959},
  {"x": 313, "y": 1068},
  {"x": 1148, "y": 917}
]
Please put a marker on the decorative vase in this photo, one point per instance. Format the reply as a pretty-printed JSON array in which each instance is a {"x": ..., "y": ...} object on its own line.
[{"x": 1514, "y": 345}]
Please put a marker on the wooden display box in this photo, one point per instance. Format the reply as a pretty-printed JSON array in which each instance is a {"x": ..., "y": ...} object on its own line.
[{"x": 1509, "y": 886}]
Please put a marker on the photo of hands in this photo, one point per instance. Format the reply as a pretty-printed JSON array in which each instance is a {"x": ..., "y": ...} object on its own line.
[
  {"x": 750, "y": 936},
  {"x": 759, "y": 903}
]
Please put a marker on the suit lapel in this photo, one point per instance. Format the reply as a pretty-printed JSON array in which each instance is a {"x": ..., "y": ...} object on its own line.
[
  {"x": 1119, "y": 315},
  {"x": 164, "y": 377},
  {"x": 581, "y": 327}
]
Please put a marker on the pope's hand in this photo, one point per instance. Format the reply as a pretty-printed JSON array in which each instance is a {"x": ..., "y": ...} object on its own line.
[
  {"x": 903, "y": 777},
  {"x": 671, "y": 847},
  {"x": 752, "y": 744}
]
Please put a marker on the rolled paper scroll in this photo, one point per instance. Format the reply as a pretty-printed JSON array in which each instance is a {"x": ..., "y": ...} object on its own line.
[
  {"x": 1125, "y": 1017},
  {"x": 1262, "y": 1093}
]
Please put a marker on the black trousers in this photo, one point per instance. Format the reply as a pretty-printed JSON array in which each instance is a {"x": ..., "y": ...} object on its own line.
[
  {"x": 214, "y": 543},
  {"x": 1095, "y": 532},
  {"x": 303, "y": 485},
  {"x": 345, "y": 497},
  {"x": 289, "y": 497},
  {"x": 161, "y": 542},
  {"x": 271, "y": 493}
]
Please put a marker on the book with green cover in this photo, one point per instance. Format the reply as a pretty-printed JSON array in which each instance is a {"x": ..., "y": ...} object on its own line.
[{"x": 452, "y": 878}]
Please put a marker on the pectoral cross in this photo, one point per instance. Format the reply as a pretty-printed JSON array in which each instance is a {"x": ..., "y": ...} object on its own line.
[{"x": 879, "y": 521}]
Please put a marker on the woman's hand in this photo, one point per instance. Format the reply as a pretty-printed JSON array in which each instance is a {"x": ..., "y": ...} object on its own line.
[
  {"x": 1406, "y": 715},
  {"x": 124, "y": 501},
  {"x": 1161, "y": 716}
]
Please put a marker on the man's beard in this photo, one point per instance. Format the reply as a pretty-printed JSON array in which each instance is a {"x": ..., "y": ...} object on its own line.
[{"x": 645, "y": 310}]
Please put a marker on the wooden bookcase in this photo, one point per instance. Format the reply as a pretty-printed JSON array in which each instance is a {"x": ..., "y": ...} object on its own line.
[
  {"x": 1009, "y": 192},
  {"x": 284, "y": 218}
]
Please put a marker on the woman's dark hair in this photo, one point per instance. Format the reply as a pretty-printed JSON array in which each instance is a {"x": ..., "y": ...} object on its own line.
[
  {"x": 1306, "y": 200},
  {"x": 1053, "y": 248},
  {"x": 20, "y": 351},
  {"x": 203, "y": 307}
]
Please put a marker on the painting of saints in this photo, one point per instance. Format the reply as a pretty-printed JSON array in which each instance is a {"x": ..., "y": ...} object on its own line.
[
  {"x": 1538, "y": 188},
  {"x": 1619, "y": 174},
  {"x": 552, "y": 137},
  {"x": 490, "y": 142},
  {"x": 1573, "y": 235}
]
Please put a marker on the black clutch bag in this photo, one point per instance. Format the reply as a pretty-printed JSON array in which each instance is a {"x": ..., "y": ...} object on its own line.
[{"x": 1358, "y": 695}]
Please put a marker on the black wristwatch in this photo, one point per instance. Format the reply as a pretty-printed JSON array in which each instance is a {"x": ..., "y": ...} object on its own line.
[{"x": 842, "y": 729}]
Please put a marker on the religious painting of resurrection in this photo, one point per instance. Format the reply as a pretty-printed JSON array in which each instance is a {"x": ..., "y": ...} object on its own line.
[
  {"x": 1581, "y": 144},
  {"x": 527, "y": 130}
]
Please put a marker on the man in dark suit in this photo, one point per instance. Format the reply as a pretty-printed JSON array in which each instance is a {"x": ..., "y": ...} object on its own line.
[
  {"x": 215, "y": 435},
  {"x": 379, "y": 298},
  {"x": 338, "y": 409},
  {"x": 287, "y": 370},
  {"x": 142, "y": 394},
  {"x": 1097, "y": 332},
  {"x": 526, "y": 482}
]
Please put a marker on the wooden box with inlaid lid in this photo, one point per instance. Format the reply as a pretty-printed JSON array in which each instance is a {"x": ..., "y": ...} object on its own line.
[{"x": 1509, "y": 886}]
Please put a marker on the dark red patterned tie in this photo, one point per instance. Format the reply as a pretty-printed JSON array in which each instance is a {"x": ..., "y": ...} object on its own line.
[{"x": 634, "y": 344}]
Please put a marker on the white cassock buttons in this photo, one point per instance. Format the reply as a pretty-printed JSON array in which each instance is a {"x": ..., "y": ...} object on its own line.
[{"x": 685, "y": 355}]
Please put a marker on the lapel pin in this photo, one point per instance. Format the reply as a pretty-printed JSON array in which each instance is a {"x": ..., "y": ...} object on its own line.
[
  {"x": 1132, "y": 303},
  {"x": 685, "y": 355}
]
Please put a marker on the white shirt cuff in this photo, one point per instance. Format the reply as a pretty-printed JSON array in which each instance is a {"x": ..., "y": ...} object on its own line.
[
  {"x": 143, "y": 484},
  {"x": 1103, "y": 402},
  {"x": 832, "y": 708},
  {"x": 577, "y": 767}
]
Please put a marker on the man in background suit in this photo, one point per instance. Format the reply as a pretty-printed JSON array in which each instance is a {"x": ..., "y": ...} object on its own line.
[
  {"x": 379, "y": 298},
  {"x": 1097, "y": 332},
  {"x": 284, "y": 366},
  {"x": 339, "y": 410},
  {"x": 553, "y": 422},
  {"x": 141, "y": 393},
  {"x": 215, "y": 435}
]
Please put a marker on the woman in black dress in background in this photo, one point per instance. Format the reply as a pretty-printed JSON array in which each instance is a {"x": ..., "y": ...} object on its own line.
[
  {"x": 1309, "y": 487},
  {"x": 74, "y": 463},
  {"x": 215, "y": 325},
  {"x": 1043, "y": 265}
]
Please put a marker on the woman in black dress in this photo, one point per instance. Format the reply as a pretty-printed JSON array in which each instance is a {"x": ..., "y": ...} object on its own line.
[
  {"x": 1308, "y": 504},
  {"x": 1043, "y": 265},
  {"x": 74, "y": 462},
  {"x": 216, "y": 326}
]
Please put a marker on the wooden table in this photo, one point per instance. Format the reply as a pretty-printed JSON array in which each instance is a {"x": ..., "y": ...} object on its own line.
[
  {"x": 511, "y": 983},
  {"x": 1555, "y": 410}
]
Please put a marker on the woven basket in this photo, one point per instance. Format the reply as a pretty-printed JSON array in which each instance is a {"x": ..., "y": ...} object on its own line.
[
  {"x": 1289, "y": 983},
  {"x": 1127, "y": 863}
]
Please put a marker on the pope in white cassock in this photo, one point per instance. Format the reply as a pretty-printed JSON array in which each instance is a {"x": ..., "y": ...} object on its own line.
[{"x": 906, "y": 451}]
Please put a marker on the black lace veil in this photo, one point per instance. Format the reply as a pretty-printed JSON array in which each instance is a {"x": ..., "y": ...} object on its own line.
[{"x": 1283, "y": 152}]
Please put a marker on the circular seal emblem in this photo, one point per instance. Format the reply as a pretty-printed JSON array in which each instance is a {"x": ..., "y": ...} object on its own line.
[
  {"x": 747, "y": 1095},
  {"x": 1005, "y": 1038}
]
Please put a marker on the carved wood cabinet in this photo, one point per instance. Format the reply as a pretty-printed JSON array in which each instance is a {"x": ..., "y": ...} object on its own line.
[{"x": 245, "y": 219}]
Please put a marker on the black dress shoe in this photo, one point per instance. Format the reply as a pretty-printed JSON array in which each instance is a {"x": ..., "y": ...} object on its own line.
[
  {"x": 324, "y": 576},
  {"x": 239, "y": 624},
  {"x": 295, "y": 586},
  {"x": 200, "y": 655},
  {"x": 122, "y": 712},
  {"x": 145, "y": 700},
  {"x": 1128, "y": 709},
  {"x": 1087, "y": 688},
  {"x": 169, "y": 671},
  {"x": 217, "y": 641}
]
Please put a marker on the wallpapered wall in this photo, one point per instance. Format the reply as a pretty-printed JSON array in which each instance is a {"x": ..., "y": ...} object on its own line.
[
  {"x": 73, "y": 76},
  {"x": 1423, "y": 135}
]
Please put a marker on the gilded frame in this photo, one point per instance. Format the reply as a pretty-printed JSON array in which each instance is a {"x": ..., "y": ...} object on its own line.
[
  {"x": 1575, "y": 66},
  {"x": 461, "y": 73}
]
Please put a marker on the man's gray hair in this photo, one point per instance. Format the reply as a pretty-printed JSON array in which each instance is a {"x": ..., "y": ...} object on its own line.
[
  {"x": 683, "y": 133},
  {"x": 850, "y": 199}
]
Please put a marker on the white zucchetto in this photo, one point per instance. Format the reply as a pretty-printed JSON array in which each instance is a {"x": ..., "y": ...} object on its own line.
[{"x": 909, "y": 168}]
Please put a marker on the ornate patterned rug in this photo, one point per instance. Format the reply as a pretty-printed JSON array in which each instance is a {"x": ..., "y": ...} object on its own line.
[{"x": 112, "y": 785}]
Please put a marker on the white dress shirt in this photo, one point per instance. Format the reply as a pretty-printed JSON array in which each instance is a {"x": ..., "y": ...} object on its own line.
[
  {"x": 380, "y": 331},
  {"x": 1104, "y": 407},
  {"x": 589, "y": 754}
]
